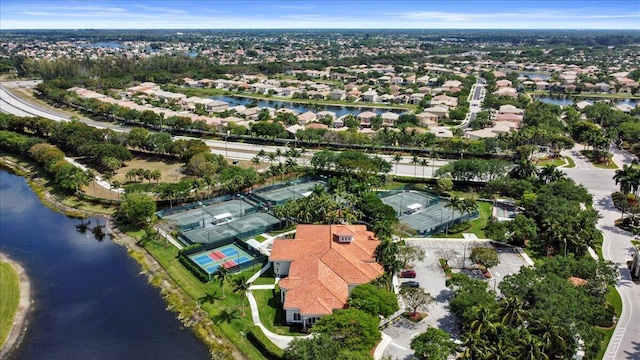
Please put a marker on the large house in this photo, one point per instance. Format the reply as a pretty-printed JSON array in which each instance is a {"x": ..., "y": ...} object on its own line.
[{"x": 321, "y": 266}]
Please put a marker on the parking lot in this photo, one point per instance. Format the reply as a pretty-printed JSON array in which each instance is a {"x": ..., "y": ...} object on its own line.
[{"x": 432, "y": 280}]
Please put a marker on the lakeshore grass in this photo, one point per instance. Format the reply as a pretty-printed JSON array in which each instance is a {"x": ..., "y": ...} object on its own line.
[
  {"x": 10, "y": 290},
  {"x": 208, "y": 296}
]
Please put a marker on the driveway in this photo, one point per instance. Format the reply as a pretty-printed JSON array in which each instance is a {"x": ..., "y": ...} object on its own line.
[{"x": 432, "y": 279}]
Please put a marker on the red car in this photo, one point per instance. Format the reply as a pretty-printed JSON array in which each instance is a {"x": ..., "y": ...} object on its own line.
[{"x": 408, "y": 274}]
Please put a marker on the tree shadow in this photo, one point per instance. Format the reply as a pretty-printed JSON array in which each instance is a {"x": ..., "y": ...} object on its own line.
[
  {"x": 210, "y": 298},
  {"x": 226, "y": 315}
]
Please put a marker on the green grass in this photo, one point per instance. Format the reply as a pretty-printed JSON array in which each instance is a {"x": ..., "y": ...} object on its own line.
[
  {"x": 589, "y": 155},
  {"x": 267, "y": 278},
  {"x": 556, "y": 162},
  {"x": 571, "y": 164},
  {"x": 613, "y": 298},
  {"x": 10, "y": 290},
  {"x": 477, "y": 225},
  {"x": 259, "y": 238},
  {"x": 167, "y": 257},
  {"x": 272, "y": 315}
]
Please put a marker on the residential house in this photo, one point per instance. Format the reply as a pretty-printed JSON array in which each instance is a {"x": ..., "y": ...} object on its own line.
[
  {"x": 441, "y": 110},
  {"x": 441, "y": 132},
  {"x": 506, "y": 91},
  {"x": 449, "y": 101},
  {"x": 323, "y": 114},
  {"x": 306, "y": 117},
  {"x": 510, "y": 109},
  {"x": 427, "y": 119},
  {"x": 504, "y": 83},
  {"x": 321, "y": 266},
  {"x": 365, "y": 118},
  {"x": 390, "y": 118},
  {"x": 370, "y": 96},
  {"x": 338, "y": 94}
]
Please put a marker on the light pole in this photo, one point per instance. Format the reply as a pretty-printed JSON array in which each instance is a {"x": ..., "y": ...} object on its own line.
[
  {"x": 202, "y": 212},
  {"x": 226, "y": 153},
  {"x": 464, "y": 257}
]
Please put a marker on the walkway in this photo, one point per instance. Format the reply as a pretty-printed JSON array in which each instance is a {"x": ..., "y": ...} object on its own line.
[{"x": 281, "y": 341}]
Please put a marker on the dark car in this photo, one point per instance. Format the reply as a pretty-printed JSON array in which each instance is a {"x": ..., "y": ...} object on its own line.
[
  {"x": 413, "y": 284},
  {"x": 408, "y": 274}
]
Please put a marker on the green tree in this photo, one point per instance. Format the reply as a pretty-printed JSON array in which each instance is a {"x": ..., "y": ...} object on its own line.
[
  {"x": 444, "y": 184},
  {"x": 352, "y": 329},
  {"x": 223, "y": 275},
  {"x": 416, "y": 298},
  {"x": 487, "y": 257},
  {"x": 433, "y": 344},
  {"x": 373, "y": 301},
  {"x": 241, "y": 286},
  {"x": 136, "y": 208},
  {"x": 317, "y": 347}
]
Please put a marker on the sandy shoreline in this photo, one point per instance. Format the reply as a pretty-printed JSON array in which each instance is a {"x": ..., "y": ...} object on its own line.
[{"x": 20, "y": 320}]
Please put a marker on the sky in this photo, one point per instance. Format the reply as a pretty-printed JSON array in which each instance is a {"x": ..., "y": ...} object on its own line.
[{"x": 340, "y": 14}]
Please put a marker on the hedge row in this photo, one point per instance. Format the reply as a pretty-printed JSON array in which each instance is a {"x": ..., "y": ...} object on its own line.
[{"x": 262, "y": 343}]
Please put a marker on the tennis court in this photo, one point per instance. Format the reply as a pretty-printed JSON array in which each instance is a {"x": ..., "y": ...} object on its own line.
[
  {"x": 227, "y": 256},
  {"x": 280, "y": 195},
  {"x": 212, "y": 214},
  {"x": 423, "y": 212},
  {"x": 237, "y": 227},
  {"x": 503, "y": 211}
]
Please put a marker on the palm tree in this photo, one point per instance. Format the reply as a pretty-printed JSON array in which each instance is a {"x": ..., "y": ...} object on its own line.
[
  {"x": 483, "y": 321},
  {"x": 223, "y": 275},
  {"x": 116, "y": 185},
  {"x": 550, "y": 173},
  {"x": 279, "y": 153},
  {"x": 397, "y": 158},
  {"x": 424, "y": 163},
  {"x": 256, "y": 160},
  {"x": 629, "y": 179},
  {"x": 468, "y": 205},
  {"x": 551, "y": 334},
  {"x": 512, "y": 312},
  {"x": 523, "y": 169},
  {"x": 91, "y": 176},
  {"x": 415, "y": 161},
  {"x": 241, "y": 286},
  {"x": 108, "y": 175},
  {"x": 156, "y": 175},
  {"x": 530, "y": 348},
  {"x": 455, "y": 203},
  {"x": 475, "y": 347}
]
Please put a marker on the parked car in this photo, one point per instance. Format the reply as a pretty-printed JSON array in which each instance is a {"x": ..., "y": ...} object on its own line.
[
  {"x": 408, "y": 274},
  {"x": 413, "y": 284}
]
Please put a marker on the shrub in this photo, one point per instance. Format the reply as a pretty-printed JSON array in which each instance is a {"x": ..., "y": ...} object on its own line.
[{"x": 262, "y": 343}]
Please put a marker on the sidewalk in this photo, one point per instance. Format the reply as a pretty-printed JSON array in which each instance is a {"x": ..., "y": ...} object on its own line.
[{"x": 280, "y": 341}]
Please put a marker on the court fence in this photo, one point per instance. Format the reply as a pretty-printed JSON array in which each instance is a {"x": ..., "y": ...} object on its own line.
[
  {"x": 240, "y": 235},
  {"x": 256, "y": 197},
  {"x": 258, "y": 257}
]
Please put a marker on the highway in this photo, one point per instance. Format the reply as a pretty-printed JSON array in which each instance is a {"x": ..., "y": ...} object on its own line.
[{"x": 9, "y": 103}]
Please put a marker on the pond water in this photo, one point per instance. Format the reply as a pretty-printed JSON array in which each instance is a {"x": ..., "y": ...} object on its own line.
[
  {"x": 571, "y": 101},
  {"x": 111, "y": 44},
  {"x": 301, "y": 108},
  {"x": 89, "y": 299}
]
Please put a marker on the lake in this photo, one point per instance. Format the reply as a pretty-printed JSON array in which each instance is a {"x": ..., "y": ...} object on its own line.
[
  {"x": 104, "y": 44},
  {"x": 571, "y": 101},
  {"x": 301, "y": 108},
  {"x": 90, "y": 301}
]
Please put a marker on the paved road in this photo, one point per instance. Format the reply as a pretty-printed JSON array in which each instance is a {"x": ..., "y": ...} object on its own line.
[
  {"x": 617, "y": 247},
  {"x": 9, "y": 103}
]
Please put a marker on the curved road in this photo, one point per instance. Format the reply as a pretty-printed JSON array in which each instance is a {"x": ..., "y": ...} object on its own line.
[{"x": 617, "y": 247}]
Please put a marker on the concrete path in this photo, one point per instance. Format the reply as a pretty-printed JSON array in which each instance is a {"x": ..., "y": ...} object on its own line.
[{"x": 280, "y": 341}]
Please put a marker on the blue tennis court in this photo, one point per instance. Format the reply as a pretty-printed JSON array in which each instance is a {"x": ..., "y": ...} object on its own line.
[{"x": 227, "y": 256}]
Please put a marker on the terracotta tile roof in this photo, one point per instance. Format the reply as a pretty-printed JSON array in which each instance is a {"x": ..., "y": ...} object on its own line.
[{"x": 322, "y": 269}]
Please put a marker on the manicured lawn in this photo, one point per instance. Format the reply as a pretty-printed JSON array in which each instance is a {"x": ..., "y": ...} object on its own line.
[
  {"x": 10, "y": 290},
  {"x": 209, "y": 297},
  {"x": 613, "y": 298},
  {"x": 267, "y": 278},
  {"x": 477, "y": 225},
  {"x": 271, "y": 314},
  {"x": 571, "y": 164},
  {"x": 556, "y": 161},
  {"x": 259, "y": 238},
  {"x": 589, "y": 155}
]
